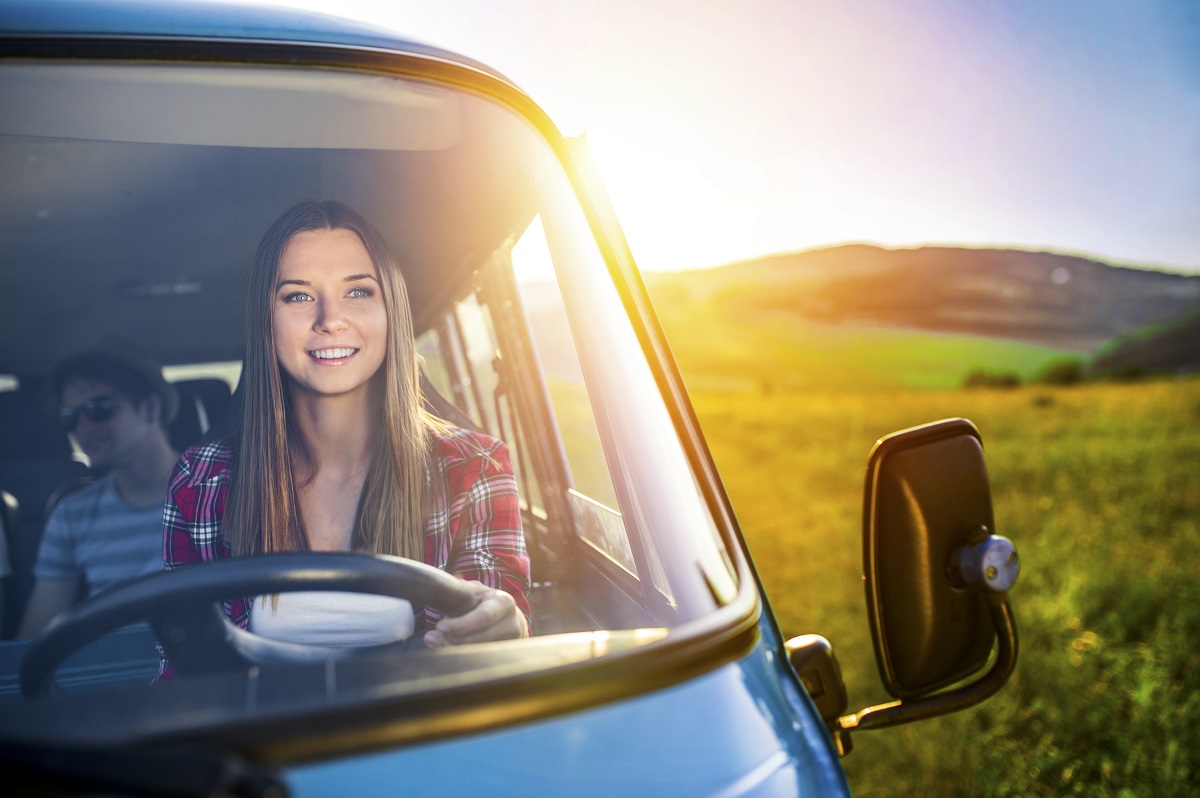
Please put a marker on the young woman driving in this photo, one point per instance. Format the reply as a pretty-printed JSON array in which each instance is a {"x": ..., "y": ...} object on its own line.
[{"x": 336, "y": 452}]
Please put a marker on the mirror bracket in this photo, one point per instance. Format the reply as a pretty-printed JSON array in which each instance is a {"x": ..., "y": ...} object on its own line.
[
  {"x": 812, "y": 657},
  {"x": 897, "y": 712}
]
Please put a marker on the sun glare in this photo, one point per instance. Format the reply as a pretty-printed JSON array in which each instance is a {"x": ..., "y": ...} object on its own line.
[
  {"x": 531, "y": 255},
  {"x": 662, "y": 192}
]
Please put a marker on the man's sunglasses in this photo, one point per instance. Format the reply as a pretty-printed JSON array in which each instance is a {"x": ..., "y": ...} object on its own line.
[{"x": 97, "y": 409}]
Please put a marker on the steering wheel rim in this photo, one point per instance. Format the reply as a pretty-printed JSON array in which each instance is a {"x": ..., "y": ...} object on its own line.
[{"x": 184, "y": 609}]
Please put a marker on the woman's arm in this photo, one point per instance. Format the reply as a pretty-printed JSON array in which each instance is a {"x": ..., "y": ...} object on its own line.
[
  {"x": 192, "y": 516},
  {"x": 488, "y": 551},
  {"x": 195, "y": 507},
  {"x": 179, "y": 547}
]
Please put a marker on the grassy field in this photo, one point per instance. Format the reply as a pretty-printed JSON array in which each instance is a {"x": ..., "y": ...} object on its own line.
[
  {"x": 1097, "y": 484},
  {"x": 1099, "y": 487}
]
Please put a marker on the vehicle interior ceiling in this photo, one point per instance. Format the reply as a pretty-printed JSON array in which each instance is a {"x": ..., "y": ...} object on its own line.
[{"x": 153, "y": 242}]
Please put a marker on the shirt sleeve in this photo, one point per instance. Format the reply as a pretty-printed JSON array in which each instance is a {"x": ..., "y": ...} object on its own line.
[
  {"x": 178, "y": 546},
  {"x": 194, "y": 509},
  {"x": 489, "y": 544},
  {"x": 56, "y": 552},
  {"x": 192, "y": 517}
]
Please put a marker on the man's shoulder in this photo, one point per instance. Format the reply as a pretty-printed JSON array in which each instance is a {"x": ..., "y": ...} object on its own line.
[{"x": 81, "y": 496}]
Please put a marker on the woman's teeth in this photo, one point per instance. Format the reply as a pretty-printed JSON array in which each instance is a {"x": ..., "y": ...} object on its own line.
[{"x": 332, "y": 354}]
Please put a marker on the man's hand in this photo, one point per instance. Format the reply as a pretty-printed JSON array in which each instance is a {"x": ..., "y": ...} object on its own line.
[{"x": 495, "y": 617}]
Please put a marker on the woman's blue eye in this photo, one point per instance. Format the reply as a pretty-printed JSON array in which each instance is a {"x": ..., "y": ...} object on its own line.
[
  {"x": 298, "y": 296},
  {"x": 360, "y": 292}
]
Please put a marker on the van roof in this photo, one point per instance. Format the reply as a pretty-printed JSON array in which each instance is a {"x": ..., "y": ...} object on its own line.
[{"x": 209, "y": 19}]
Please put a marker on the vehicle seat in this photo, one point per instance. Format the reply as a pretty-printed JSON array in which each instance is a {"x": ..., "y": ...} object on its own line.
[
  {"x": 437, "y": 404},
  {"x": 8, "y": 520},
  {"x": 202, "y": 402}
]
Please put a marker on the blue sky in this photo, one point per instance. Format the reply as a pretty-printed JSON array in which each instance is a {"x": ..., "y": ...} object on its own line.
[{"x": 729, "y": 130}]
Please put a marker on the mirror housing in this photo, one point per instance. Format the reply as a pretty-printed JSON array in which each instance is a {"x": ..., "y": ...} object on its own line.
[
  {"x": 926, "y": 495},
  {"x": 935, "y": 574}
]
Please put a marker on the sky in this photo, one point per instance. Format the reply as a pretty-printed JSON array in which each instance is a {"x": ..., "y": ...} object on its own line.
[{"x": 729, "y": 130}]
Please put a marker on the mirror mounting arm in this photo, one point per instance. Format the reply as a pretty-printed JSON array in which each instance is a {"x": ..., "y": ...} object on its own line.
[{"x": 896, "y": 712}]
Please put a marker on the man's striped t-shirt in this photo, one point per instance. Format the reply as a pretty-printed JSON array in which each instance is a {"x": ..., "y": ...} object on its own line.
[{"x": 95, "y": 535}]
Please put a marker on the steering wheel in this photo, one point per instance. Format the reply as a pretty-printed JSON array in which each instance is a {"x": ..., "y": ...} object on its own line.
[{"x": 184, "y": 608}]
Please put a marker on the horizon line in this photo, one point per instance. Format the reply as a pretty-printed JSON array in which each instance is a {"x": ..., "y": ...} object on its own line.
[{"x": 1174, "y": 268}]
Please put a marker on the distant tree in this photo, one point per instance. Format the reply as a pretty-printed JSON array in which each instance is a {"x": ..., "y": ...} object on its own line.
[
  {"x": 1063, "y": 371},
  {"x": 1127, "y": 372},
  {"x": 982, "y": 378},
  {"x": 1171, "y": 346}
]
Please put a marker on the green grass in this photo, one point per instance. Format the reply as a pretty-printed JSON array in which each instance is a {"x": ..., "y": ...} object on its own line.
[
  {"x": 585, "y": 452},
  {"x": 1099, "y": 488}
]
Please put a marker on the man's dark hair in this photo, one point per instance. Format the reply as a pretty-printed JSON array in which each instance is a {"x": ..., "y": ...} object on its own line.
[{"x": 128, "y": 368}]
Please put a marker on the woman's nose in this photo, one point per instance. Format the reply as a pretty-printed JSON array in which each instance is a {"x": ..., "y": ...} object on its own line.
[{"x": 331, "y": 317}]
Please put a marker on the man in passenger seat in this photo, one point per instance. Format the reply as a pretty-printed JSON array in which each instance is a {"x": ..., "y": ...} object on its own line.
[{"x": 115, "y": 404}]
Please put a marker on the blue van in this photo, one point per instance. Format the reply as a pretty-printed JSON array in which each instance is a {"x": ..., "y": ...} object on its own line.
[{"x": 144, "y": 147}]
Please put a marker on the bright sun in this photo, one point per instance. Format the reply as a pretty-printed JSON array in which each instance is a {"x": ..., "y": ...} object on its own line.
[{"x": 663, "y": 195}]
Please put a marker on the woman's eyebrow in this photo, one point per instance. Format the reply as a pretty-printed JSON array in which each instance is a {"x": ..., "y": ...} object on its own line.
[{"x": 350, "y": 279}]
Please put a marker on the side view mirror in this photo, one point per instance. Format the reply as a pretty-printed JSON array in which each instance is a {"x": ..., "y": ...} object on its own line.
[
  {"x": 930, "y": 559},
  {"x": 936, "y": 578}
]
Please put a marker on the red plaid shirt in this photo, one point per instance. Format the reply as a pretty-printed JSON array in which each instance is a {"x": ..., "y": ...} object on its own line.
[{"x": 473, "y": 530}]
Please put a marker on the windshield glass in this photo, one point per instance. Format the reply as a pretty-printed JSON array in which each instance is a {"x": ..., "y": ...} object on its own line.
[{"x": 137, "y": 196}]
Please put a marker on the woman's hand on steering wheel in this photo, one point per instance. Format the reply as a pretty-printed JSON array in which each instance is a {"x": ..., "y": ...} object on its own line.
[{"x": 495, "y": 617}]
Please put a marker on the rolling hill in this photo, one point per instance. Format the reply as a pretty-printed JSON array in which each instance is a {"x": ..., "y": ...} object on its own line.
[{"x": 1061, "y": 301}]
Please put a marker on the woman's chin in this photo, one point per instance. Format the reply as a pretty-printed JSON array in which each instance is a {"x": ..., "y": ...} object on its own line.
[{"x": 330, "y": 385}]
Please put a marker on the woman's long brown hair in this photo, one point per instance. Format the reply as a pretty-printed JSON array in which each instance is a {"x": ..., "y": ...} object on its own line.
[{"x": 263, "y": 514}]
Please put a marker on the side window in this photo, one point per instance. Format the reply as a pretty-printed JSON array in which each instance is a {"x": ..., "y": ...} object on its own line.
[
  {"x": 593, "y": 498},
  {"x": 480, "y": 355},
  {"x": 484, "y": 355},
  {"x": 463, "y": 362}
]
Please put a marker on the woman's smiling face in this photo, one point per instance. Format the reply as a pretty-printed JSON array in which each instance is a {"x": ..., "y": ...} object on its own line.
[{"x": 329, "y": 320}]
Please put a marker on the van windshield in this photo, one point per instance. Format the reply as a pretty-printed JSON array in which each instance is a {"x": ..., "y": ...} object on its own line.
[{"x": 136, "y": 197}]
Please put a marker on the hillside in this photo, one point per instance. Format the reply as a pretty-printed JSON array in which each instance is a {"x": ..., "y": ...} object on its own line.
[
  {"x": 1173, "y": 345},
  {"x": 1054, "y": 300}
]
